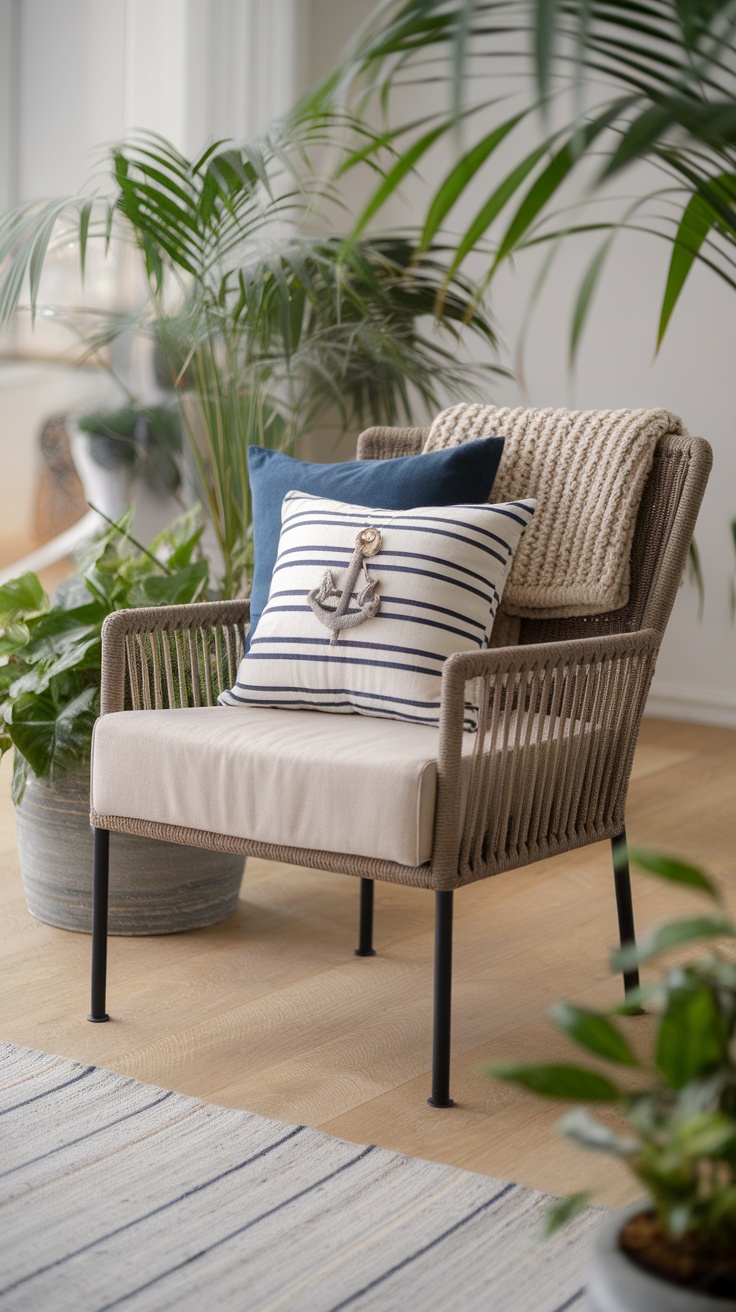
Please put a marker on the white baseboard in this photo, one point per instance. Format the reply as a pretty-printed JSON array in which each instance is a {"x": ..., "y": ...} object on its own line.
[{"x": 681, "y": 701}]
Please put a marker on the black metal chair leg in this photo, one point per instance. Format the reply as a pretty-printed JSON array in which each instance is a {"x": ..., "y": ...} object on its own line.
[
  {"x": 365, "y": 935},
  {"x": 442, "y": 1001},
  {"x": 624, "y": 903},
  {"x": 101, "y": 880}
]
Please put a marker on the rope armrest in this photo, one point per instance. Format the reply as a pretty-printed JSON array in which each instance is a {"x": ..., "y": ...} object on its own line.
[
  {"x": 160, "y": 657},
  {"x": 549, "y": 767}
]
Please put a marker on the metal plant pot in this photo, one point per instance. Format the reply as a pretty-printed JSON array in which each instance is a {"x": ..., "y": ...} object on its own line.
[
  {"x": 616, "y": 1284},
  {"x": 155, "y": 887}
]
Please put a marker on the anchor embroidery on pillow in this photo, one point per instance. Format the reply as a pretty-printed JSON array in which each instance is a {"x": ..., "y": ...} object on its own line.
[{"x": 340, "y": 616}]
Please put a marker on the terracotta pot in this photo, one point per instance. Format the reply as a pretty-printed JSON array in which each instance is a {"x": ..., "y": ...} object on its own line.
[
  {"x": 616, "y": 1284},
  {"x": 155, "y": 888}
]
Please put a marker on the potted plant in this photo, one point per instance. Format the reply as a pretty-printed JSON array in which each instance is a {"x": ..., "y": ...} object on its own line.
[
  {"x": 122, "y": 445},
  {"x": 676, "y": 1120},
  {"x": 49, "y": 699},
  {"x": 261, "y": 329},
  {"x": 130, "y": 455}
]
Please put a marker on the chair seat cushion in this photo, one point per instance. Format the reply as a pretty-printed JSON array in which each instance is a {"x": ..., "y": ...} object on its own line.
[{"x": 351, "y": 784}]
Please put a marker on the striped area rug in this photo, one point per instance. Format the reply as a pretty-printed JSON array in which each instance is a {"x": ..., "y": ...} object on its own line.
[{"x": 116, "y": 1194}]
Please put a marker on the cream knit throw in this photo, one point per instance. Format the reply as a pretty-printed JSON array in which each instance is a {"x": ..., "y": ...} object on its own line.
[{"x": 587, "y": 470}]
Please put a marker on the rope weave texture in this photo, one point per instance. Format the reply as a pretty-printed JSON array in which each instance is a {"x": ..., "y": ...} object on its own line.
[{"x": 560, "y": 713}]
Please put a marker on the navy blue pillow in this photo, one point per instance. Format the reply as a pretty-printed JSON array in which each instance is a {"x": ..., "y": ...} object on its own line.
[{"x": 452, "y": 477}]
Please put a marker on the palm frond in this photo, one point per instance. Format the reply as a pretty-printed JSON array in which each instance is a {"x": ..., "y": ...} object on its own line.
[
  {"x": 666, "y": 71},
  {"x": 262, "y": 328}
]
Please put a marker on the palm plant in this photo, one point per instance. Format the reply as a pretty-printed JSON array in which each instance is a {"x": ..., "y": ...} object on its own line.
[
  {"x": 261, "y": 327},
  {"x": 616, "y": 82}
]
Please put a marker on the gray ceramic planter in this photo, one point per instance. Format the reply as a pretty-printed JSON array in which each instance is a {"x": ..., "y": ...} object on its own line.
[
  {"x": 616, "y": 1285},
  {"x": 155, "y": 888}
]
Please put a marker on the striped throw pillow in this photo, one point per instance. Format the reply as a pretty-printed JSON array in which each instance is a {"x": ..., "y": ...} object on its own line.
[{"x": 365, "y": 605}]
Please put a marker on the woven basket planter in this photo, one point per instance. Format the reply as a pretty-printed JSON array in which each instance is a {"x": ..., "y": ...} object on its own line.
[{"x": 155, "y": 887}]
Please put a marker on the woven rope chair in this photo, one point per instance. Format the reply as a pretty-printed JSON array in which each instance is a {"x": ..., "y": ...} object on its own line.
[{"x": 548, "y": 769}]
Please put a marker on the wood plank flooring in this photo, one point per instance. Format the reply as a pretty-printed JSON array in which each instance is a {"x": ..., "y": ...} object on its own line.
[{"x": 272, "y": 1011}]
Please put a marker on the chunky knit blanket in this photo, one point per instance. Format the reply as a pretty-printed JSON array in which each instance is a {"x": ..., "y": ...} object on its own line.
[{"x": 587, "y": 470}]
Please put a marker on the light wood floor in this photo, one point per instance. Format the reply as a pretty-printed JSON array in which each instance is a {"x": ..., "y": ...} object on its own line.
[{"x": 271, "y": 1010}]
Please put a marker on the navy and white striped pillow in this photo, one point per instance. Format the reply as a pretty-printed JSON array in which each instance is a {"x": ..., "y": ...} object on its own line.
[{"x": 440, "y": 572}]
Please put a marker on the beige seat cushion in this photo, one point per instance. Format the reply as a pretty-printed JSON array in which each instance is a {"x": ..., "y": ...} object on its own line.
[{"x": 297, "y": 778}]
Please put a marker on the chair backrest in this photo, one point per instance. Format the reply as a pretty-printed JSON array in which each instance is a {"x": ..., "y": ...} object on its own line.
[{"x": 664, "y": 530}]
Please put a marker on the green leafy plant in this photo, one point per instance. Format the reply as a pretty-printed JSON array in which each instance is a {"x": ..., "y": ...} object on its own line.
[
  {"x": 50, "y": 650},
  {"x": 678, "y": 1123},
  {"x": 262, "y": 328},
  {"x": 611, "y": 84}
]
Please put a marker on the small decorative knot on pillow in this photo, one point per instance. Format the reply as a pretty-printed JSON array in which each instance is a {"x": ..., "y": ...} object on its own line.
[{"x": 366, "y": 605}]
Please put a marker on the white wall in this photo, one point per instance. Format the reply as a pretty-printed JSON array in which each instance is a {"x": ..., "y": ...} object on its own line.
[
  {"x": 70, "y": 85},
  {"x": 75, "y": 76},
  {"x": 9, "y": 22},
  {"x": 696, "y": 672},
  {"x": 89, "y": 71},
  {"x": 693, "y": 376},
  {"x": 31, "y": 394}
]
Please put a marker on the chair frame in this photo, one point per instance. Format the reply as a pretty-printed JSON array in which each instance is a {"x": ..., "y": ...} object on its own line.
[{"x": 555, "y": 787}]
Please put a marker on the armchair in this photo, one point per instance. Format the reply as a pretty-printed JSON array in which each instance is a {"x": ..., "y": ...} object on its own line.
[{"x": 547, "y": 771}]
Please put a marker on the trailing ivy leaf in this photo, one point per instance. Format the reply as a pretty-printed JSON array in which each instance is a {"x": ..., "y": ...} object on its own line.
[
  {"x": 84, "y": 653},
  {"x": 71, "y": 593},
  {"x": 676, "y": 872},
  {"x": 21, "y": 769},
  {"x": 8, "y": 674},
  {"x": 572, "y": 1083},
  {"x": 183, "y": 553},
  {"x": 584, "y": 1129},
  {"x": 14, "y": 638},
  {"x": 671, "y": 935},
  {"x": 51, "y": 737},
  {"x": 22, "y": 596},
  {"x": 108, "y": 587},
  {"x": 185, "y": 530},
  {"x": 186, "y": 585},
  {"x": 692, "y": 1038},
  {"x": 92, "y": 552},
  {"x": 594, "y": 1032},
  {"x": 61, "y": 629},
  {"x": 561, "y": 1212}
]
